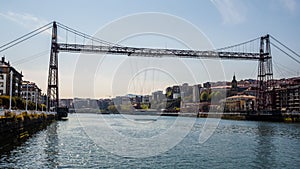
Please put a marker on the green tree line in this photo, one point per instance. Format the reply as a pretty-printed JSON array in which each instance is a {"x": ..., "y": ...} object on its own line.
[
  {"x": 207, "y": 96},
  {"x": 19, "y": 103}
]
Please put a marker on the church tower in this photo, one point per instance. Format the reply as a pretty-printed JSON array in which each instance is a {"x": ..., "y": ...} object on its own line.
[
  {"x": 234, "y": 83},
  {"x": 234, "y": 87}
]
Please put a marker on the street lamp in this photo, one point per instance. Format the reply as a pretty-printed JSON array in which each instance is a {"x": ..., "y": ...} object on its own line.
[
  {"x": 10, "y": 89},
  {"x": 36, "y": 91},
  {"x": 26, "y": 96}
]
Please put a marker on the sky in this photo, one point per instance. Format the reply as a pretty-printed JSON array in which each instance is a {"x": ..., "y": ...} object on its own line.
[{"x": 161, "y": 24}]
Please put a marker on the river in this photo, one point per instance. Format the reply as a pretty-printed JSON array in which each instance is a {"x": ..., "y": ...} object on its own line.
[{"x": 105, "y": 141}]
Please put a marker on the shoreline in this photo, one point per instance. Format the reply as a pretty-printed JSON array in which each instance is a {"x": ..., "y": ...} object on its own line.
[
  {"x": 16, "y": 128},
  {"x": 286, "y": 118}
]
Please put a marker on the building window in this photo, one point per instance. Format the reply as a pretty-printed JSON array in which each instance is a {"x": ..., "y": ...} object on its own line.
[
  {"x": 1, "y": 77},
  {"x": 1, "y": 84}
]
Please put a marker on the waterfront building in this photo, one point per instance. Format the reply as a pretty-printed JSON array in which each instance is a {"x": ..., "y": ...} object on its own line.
[
  {"x": 252, "y": 91},
  {"x": 207, "y": 85},
  {"x": 140, "y": 102},
  {"x": 104, "y": 104},
  {"x": 293, "y": 98},
  {"x": 176, "y": 92},
  {"x": 85, "y": 105},
  {"x": 121, "y": 100},
  {"x": 5, "y": 69},
  {"x": 186, "y": 91},
  {"x": 34, "y": 92},
  {"x": 44, "y": 99},
  {"x": 157, "y": 100},
  {"x": 240, "y": 103},
  {"x": 287, "y": 98},
  {"x": 196, "y": 93},
  {"x": 66, "y": 103},
  {"x": 158, "y": 96},
  {"x": 146, "y": 99}
]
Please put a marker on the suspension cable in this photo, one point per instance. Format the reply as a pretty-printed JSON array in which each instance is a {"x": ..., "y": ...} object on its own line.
[
  {"x": 86, "y": 35},
  {"x": 285, "y": 53},
  {"x": 24, "y": 38},
  {"x": 243, "y": 43},
  {"x": 30, "y": 58},
  {"x": 36, "y": 30},
  {"x": 285, "y": 46},
  {"x": 284, "y": 68}
]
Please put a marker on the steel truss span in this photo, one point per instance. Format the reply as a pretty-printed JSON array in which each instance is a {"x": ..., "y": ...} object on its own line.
[{"x": 152, "y": 52}]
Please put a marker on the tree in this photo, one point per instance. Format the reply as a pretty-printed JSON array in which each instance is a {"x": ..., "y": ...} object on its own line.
[
  {"x": 204, "y": 96},
  {"x": 20, "y": 103},
  {"x": 144, "y": 106},
  {"x": 218, "y": 96},
  {"x": 169, "y": 93},
  {"x": 126, "y": 108},
  {"x": 31, "y": 105},
  {"x": 5, "y": 101},
  {"x": 215, "y": 96},
  {"x": 112, "y": 109},
  {"x": 173, "y": 104},
  {"x": 210, "y": 96}
]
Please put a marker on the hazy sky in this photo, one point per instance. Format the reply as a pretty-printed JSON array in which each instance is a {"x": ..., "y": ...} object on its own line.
[{"x": 156, "y": 23}]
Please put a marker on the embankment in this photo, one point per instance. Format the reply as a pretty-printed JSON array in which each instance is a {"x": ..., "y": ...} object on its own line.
[
  {"x": 15, "y": 129},
  {"x": 276, "y": 117}
]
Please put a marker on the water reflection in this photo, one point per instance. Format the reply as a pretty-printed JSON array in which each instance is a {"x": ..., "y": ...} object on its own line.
[
  {"x": 51, "y": 150},
  {"x": 265, "y": 149}
]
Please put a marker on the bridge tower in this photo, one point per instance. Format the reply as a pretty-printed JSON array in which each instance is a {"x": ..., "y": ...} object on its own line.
[
  {"x": 265, "y": 76},
  {"x": 52, "y": 91}
]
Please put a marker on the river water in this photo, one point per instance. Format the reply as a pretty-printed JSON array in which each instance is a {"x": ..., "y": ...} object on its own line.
[{"x": 75, "y": 143}]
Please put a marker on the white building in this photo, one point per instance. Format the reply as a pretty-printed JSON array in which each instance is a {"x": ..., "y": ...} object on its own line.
[
  {"x": 158, "y": 96},
  {"x": 196, "y": 93},
  {"x": 5, "y": 69},
  {"x": 34, "y": 92}
]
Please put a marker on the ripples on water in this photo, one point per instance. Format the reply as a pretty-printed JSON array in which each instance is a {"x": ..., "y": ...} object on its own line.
[{"x": 234, "y": 144}]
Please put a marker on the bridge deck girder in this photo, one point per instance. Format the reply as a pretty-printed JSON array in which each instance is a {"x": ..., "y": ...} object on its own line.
[{"x": 152, "y": 52}]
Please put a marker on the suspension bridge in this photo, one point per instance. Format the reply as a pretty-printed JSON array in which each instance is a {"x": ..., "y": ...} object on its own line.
[{"x": 241, "y": 51}]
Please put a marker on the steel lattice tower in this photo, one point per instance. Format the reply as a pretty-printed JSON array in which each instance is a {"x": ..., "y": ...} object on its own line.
[
  {"x": 265, "y": 76},
  {"x": 52, "y": 92}
]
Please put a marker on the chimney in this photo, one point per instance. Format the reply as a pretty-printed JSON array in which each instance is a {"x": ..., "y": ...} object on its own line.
[{"x": 3, "y": 59}]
